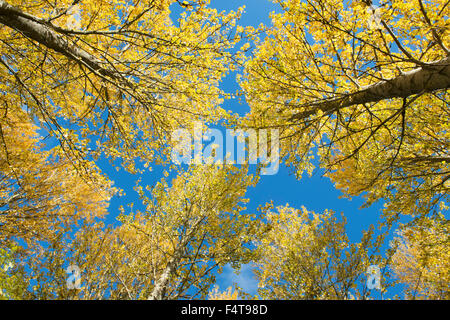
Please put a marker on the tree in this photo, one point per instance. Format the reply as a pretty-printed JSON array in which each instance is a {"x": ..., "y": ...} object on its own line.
[
  {"x": 40, "y": 190},
  {"x": 115, "y": 78},
  {"x": 187, "y": 232},
  {"x": 12, "y": 284},
  {"x": 421, "y": 261},
  {"x": 199, "y": 219},
  {"x": 366, "y": 88},
  {"x": 309, "y": 256}
]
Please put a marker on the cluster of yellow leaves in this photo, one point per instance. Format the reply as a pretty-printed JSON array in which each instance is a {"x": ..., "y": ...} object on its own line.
[
  {"x": 228, "y": 294},
  {"x": 41, "y": 191},
  {"x": 306, "y": 255},
  {"x": 422, "y": 260},
  {"x": 12, "y": 284}
]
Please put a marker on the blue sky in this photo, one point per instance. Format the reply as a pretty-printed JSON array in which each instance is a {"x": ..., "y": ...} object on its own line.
[{"x": 316, "y": 193}]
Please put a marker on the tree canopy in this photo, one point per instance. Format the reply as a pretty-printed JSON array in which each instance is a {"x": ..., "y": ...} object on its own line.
[{"x": 356, "y": 89}]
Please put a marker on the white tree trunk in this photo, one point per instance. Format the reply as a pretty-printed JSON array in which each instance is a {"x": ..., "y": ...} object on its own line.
[
  {"x": 434, "y": 76},
  {"x": 42, "y": 32},
  {"x": 161, "y": 284}
]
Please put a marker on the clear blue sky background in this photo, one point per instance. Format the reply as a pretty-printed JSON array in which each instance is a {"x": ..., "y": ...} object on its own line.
[{"x": 316, "y": 193}]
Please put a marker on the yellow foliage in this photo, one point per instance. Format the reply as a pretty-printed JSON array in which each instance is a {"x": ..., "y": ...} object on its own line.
[{"x": 422, "y": 260}]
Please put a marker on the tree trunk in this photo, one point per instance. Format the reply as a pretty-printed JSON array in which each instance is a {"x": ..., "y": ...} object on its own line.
[
  {"x": 161, "y": 284},
  {"x": 43, "y": 33},
  {"x": 429, "y": 78}
]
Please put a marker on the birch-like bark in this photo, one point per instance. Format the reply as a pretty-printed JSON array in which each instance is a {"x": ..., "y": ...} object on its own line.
[
  {"x": 429, "y": 78},
  {"x": 161, "y": 284},
  {"x": 43, "y": 33}
]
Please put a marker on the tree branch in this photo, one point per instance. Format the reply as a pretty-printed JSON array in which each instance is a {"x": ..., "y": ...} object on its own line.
[
  {"x": 434, "y": 76},
  {"x": 42, "y": 32}
]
